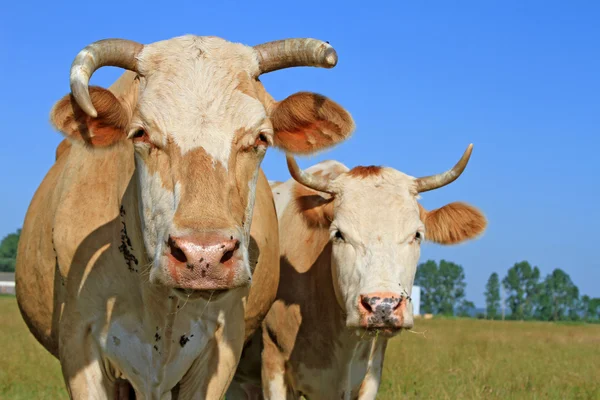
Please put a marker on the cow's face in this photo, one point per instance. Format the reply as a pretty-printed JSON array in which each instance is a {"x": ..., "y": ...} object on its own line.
[
  {"x": 376, "y": 235},
  {"x": 201, "y": 122},
  {"x": 376, "y": 228}
]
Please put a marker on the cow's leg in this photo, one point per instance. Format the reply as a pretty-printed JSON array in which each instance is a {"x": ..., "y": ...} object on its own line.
[
  {"x": 273, "y": 369},
  {"x": 123, "y": 390},
  {"x": 210, "y": 375},
  {"x": 370, "y": 385},
  {"x": 85, "y": 374},
  {"x": 244, "y": 391},
  {"x": 83, "y": 371}
]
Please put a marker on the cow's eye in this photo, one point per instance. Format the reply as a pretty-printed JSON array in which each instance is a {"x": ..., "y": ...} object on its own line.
[
  {"x": 418, "y": 236},
  {"x": 140, "y": 136},
  {"x": 338, "y": 235},
  {"x": 261, "y": 140}
]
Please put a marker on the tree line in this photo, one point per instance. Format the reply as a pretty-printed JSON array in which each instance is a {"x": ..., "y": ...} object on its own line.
[
  {"x": 526, "y": 295},
  {"x": 8, "y": 251}
]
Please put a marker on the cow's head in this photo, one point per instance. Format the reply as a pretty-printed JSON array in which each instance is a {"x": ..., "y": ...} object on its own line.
[
  {"x": 200, "y": 122},
  {"x": 376, "y": 228}
]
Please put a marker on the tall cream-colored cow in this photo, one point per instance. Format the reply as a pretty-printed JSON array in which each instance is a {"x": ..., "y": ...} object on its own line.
[
  {"x": 350, "y": 243},
  {"x": 138, "y": 247}
]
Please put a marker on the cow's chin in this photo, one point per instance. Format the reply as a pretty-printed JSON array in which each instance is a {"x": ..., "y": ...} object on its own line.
[
  {"x": 208, "y": 295},
  {"x": 371, "y": 333}
]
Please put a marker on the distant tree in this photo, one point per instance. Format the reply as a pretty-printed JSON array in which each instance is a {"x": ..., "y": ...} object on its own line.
[
  {"x": 451, "y": 290},
  {"x": 492, "y": 296},
  {"x": 8, "y": 251},
  {"x": 427, "y": 279},
  {"x": 522, "y": 286},
  {"x": 584, "y": 305},
  {"x": 442, "y": 286},
  {"x": 559, "y": 298},
  {"x": 590, "y": 308},
  {"x": 466, "y": 309}
]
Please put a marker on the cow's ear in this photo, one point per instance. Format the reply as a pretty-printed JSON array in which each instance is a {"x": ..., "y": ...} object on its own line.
[
  {"x": 305, "y": 123},
  {"x": 453, "y": 223},
  {"x": 315, "y": 207},
  {"x": 105, "y": 130}
]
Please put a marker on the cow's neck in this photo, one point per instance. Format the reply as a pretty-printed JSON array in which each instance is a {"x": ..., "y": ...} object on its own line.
[{"x": 165, "y": 321}]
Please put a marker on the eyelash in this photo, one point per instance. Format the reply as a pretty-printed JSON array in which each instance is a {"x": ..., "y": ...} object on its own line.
[
  {"x": 418, "y": 237},
  {"x": 261, "y": 140},
  {"x": 140, "y": 136}
]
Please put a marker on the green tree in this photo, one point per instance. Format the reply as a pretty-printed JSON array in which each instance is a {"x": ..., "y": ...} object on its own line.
[
  {"x": 442, "y": 286},
  {"x": 559, "y": 298},
  {"x": 492, "y": 296},
  {"x": 522, "y": 286},
  {"x": 590, "y": 308},
  {"x": 466, "y": 309},
  {"x": 451, "y": 290},
  {"x": 8, "y": 251},
  {"x": 427, "y": 279}
]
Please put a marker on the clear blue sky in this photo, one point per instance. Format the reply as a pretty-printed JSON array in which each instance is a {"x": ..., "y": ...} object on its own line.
[{"x": 520, "y": 81}]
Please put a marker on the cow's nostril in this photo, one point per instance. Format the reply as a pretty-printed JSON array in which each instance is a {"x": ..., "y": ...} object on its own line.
[
  {"x": 229, "y": 254},
  {"x": 176, "y": 252},
  {"x": 365, "y": 303}
]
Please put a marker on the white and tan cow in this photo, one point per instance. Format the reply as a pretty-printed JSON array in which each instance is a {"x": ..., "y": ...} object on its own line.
[
  {"x": 140, "y": 244},
  {"x": 349, "y": 242}
]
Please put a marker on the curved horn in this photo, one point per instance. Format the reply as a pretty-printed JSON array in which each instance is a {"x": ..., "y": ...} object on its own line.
[
  {"x": 109, "y": 52},
  {"x": 288, "y": 53},
  {"x": 315, "y": 182},
  {"x": 427, "y": 183}
]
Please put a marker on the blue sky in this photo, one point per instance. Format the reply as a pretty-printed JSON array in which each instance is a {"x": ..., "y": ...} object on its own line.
[{"x": 520, "y": 80}]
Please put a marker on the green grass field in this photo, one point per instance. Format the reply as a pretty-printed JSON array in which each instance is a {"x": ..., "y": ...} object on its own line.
[{"x": 454, "y": 359}]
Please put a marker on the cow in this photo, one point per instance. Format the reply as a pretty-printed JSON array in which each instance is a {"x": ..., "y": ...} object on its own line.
[
  {"x": 350, "y": 242},
  {"x": 149, "y": 252}
]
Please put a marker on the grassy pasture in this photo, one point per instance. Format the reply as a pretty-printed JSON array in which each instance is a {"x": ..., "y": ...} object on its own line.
[{"x": 454, "y": 359}]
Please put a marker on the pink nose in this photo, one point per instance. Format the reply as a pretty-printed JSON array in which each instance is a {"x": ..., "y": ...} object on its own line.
[
  {"x": 205, "y": 262},
  {"x": 210, "y": 250},
  {"x": 381, "y": 310}
]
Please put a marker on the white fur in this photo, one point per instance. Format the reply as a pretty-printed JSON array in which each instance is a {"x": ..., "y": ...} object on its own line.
[
  {"x": 157, "y": 208},
  {"x": 127, "y": 340},
  {"x": 378, "y": 217},
  {"x": 276, "y": 387},
  {"x": 199, "y": 88}
]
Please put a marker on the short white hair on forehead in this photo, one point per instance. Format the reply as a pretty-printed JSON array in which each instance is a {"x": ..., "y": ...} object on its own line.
[{"x": 197, "y": 79}]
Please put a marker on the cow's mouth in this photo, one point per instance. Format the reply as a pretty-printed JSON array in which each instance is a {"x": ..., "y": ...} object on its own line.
[
  {"x": 372, "y": 332},
  {"x": 208, "y": 295}
]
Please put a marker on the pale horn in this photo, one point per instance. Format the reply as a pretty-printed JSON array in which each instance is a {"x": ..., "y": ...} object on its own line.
[
  {"x": 109, "y": 52},
  {"x": 315, "y": 182},
  {"x": 427, "y": 183},
  {"x": 287, "y": 53}
]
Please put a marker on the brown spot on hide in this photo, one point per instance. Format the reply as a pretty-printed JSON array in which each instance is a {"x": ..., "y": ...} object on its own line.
[{"x": 365, "y": 172}]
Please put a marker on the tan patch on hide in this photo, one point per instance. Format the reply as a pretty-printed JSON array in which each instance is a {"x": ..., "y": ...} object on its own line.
[
  {"x": 452, "y": 223},
  {"x": 264, "y": 257},
  {"x": 316, "y": 209},
  {"x": 213, "y": 196},
  {"x": 62, "y": 148},
  {"x": 365, "y": 172},
  {"x": 304, "y": 321}
]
